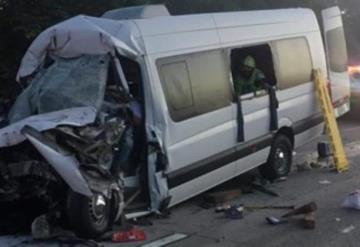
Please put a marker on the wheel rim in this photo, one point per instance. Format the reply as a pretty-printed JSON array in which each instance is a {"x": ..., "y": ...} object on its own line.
[
  {"x": 281, "y": 160},
  {"x": 98, "y": 206}
]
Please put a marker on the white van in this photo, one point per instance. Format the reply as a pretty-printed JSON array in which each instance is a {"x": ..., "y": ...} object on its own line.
[{"x": 196, "y": 132}]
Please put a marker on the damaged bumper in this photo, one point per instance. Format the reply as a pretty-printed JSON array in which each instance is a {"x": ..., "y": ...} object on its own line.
[{"x": 65, "y": 164}]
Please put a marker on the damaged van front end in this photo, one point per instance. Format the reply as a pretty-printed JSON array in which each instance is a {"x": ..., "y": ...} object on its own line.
[
  {"x": 65, "y": 139},
  {"x": 39, "y": 160}
]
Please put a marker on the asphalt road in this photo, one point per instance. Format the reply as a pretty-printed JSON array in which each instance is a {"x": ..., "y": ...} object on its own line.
[{"x": 335, "y": 226}]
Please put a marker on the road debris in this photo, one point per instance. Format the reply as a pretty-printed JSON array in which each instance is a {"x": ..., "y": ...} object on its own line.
[
  {"x": 40, "y": 228},
  {"x": 305, "y": 209},
  {"x": 309, "y": 221},
  {"x": 128, "y": 236},
  {"x": 325, "y": 181},
  {"x": 304, "y": 166},
  {"x": 222, "y": 208},
  {"x": 348, "y": 229},
  {"x": 275, "y": 221},
  {"x": 235, "y": 212},
  {"x": 269, "y": 207},
  {"x": 316, "y": 161},
  {"x": 352, "y": 200}
]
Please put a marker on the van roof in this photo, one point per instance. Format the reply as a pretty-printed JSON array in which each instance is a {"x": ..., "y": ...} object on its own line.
[
  {"x": 196, "y": 30},
  {"x": 137, "y": 12},
  {"x": 162, "y": 34},
  {"x": 192, "y": 22}
]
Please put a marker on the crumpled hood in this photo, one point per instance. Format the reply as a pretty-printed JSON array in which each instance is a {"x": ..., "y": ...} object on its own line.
[{"x": 79, "y": 116}]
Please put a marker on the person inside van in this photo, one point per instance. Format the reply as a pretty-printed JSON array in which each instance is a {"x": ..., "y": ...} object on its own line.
[
  {"x": 249, "y": 79},
  {"x": 128, "y": 141}
]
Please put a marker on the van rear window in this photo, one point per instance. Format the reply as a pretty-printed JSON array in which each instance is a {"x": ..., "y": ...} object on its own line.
[
  {"x": 293, "y": 63},
  {"x": 337, "y": 51}
]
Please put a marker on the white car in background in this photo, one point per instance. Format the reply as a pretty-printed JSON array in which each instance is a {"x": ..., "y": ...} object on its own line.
[{"x": 354, "y": 73}]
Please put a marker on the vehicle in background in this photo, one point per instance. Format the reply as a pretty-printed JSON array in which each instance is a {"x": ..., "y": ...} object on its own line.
[
  {"x": 71, "y": 138},
  {"x": 354, "y": 74}
]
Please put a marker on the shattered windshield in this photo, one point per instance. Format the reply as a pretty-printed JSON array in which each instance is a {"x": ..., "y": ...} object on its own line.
[{"x": 66, "y": 83}]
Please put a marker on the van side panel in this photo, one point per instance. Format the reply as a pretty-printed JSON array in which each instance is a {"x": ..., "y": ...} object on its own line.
[{"x": 202, "y": 150}]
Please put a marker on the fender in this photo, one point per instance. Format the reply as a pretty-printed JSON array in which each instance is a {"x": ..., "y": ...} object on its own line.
[{"x": 64, "y": 163}]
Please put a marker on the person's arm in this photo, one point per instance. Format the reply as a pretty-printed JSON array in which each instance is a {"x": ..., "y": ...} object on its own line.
[{"x": 261, "y": 81}]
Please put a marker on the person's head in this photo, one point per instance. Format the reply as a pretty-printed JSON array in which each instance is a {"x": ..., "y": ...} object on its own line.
[{"x": 247, "y": 66}]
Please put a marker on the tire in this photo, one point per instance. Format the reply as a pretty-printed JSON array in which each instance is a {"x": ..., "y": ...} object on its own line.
[
  {"x": 88, "y": 217},
  {"x": 280, "y": 159}
]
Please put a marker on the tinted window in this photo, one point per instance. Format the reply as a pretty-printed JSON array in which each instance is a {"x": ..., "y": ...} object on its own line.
[
  {"x": 337, "y": 50},
  {"x": 194, "y": 84},
  {"x": 292, "y": 60}
]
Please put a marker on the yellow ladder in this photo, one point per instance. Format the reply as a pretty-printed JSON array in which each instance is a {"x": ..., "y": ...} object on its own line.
[{"x": 332, "y": 130}]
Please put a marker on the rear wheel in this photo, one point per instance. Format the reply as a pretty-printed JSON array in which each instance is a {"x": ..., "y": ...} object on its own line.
[
  {"x": 279, "y": 160},
  {"x": 88, "y": 217}
]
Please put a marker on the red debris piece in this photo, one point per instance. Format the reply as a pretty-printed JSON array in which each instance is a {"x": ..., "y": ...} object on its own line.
[{"x": 129, "y": 236}]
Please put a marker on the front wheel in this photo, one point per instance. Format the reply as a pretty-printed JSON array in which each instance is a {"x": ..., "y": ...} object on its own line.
[
  {"x": 279, "y": 160},
  {"x": 88, "y": 217}
]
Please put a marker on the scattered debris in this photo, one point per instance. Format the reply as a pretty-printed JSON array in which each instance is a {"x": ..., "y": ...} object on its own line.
[
  {"x": 305, "y": 166},
  {"x": 269, "y": 207},
  {"x": 348, "y": 229},
  {"x": 275, "y": 221},
  {"x": 325, "y": 181},
  {"x": 222, "y": 196},
  {"x": 40, "y": 228},
  {"x": 315, "y": 161},
  {"x": 46, "y": 227},
  {"x": 305, "y": 209},
  {"x": 309, "y": 221},
  {"x": 166, "y": 240},
  {"x": 261, "y": 188},
  {"x": 352, "y": 200},
  {"x": 222, "y": 208},
  {"x": 129, "y": 236},
  {"x": 308, "y": 210},
  {"x": 235, "y": 212}
]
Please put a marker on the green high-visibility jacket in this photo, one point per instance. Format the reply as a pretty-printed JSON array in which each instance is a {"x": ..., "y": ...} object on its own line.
[{"x": 250, "y": 85}]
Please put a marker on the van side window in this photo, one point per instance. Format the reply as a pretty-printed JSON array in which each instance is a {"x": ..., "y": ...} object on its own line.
[
  {"x": 292, "y": 60},
  {"x": 337, "y": 50},
  {"x": 251, "y": 67},
  {"x": 177, "y": 87},
  {"x": 194, "y": 84}
]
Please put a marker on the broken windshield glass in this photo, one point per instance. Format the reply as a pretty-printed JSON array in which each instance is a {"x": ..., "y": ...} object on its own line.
[{"x": 67, "y": 83}]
